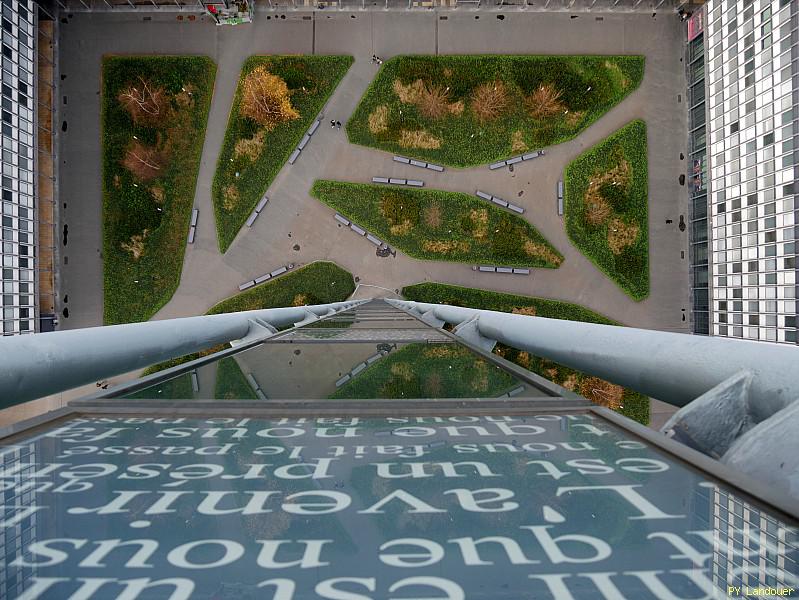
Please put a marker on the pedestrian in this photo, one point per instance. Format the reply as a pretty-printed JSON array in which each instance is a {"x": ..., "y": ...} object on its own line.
[
  {"x": 374, "y": 58},
  {"x": 669, "y": 221},
  {"x": 378, "y": 60},
  {"x": 338, "y": 124},
  {"x": 332, "y": 123}
]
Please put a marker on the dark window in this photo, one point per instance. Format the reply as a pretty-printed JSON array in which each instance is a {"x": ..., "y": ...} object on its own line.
[
  {"x": 751, "y": 266},
  {"x": 790, "y": 321},
  {"x": 751, "y": 199},
  {"x": 734, "y": 127},
  {"x": 754, "y": 320},
  {"x": 7, "y": 51},
  {"x": 768, "y": 139},
  {"x": 736, "y": 267}
]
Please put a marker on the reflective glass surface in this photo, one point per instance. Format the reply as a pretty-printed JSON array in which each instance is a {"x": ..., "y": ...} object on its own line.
[{"x": 548, "y": 506}]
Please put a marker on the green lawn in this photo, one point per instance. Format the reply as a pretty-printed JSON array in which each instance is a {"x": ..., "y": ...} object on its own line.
[
  {"x": 310, "y": 81},
  {"x": 606, "y": 207},
  {"x": 424, "y": 371},
  {"x": 468, "y": 110},
  {"x": 625, "y": 401},
  {"x": 317, "y": 283},
  {"x": 149, "y": 175},
  {"x": 438, "y": 225},
  {"x": 231, "y": 384}
]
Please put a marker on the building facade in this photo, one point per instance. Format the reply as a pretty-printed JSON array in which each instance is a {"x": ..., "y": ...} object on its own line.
[
  {"x": 18, "y": 300},
  {"x": 752, "y": 83}
]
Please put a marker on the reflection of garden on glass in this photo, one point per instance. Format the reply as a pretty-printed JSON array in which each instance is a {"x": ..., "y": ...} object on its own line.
[
  {"x": 468, "y": 110},
  {"x": 625, "y": 401},
  {"x": 428, "y": 371}
]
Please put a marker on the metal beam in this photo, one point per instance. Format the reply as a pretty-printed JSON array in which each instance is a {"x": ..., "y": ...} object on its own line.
[
  {"x": 672, "y": 367},
  {"x": 34, "y": 366}
]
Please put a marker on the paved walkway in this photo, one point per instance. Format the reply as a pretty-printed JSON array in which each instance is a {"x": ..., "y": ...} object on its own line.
[{"x": 294, "y": 218}]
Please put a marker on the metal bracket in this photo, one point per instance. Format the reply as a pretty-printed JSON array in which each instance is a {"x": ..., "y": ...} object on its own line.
[
  {"x": 468, "y": 331},
  {"x": 309, "y": 318},
  {"x": 259, "y": 329},
  {"x": 431, "y": 319}
]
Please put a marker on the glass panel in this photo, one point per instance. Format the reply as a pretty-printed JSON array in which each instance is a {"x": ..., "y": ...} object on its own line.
[{"x": 499, "y": 508}]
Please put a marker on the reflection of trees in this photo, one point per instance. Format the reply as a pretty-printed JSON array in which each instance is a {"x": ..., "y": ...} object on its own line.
[{"x": 427, "y": 371}]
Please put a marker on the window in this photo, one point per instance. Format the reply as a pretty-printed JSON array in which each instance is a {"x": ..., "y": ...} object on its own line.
[
  {"x": 768, "y": 139},
  {"x": 734, "y": 127}
]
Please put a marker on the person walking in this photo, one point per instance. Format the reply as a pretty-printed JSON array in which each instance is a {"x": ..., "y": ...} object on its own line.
[
  {"x": 338, "y": 124},
  {"x": 374, "y": 58},
  {"x": 332, "y": 123}
]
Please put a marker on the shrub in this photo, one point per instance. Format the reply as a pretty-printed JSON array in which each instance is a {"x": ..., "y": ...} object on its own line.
[
  {"x": 545, "y": 102},
  {"x": 265, "y": 99},
  {"x": 489, "y": 100}
]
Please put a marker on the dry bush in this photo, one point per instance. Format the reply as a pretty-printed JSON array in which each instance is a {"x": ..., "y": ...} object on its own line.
[
  {"x": 144, "y": 162},
  {"x": 545, "y": 102},
  {"x": 250, "y": 147},
  {"x": 136, "y": 244},
  {"x": 299, "y": 300},
  {"x": 433, "y": 102},
  {"x": 230, "y": 197},
  {"x": 432, "y": 216},
  {"x": 541, "y": 251},
  {"x": 266, "y": 99},
  {"x": 517, "y": 144},
  {"x": 185, "y": 98},
  {"x": 597, "y": 210},
  {"x": 570, "y": 383},
  {"x": 438, "y": 352},
  {"x": 530, "y": 311},
  {"x": 489, "y": 100},
  {"x": 408, "y": 94},
  {"x": 419, "y": 139},
  {"x": 621, "y": 235},
  {"x": 378, "y": 119},
  {"x": 573, "y": 117},
  {"x": 146, "y": 104},
  {"x": 602, "y": 392}
]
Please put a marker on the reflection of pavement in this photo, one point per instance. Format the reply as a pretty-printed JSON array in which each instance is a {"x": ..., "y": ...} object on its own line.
[
  {"x": 208, "y": 276},
  {"x": 302, "y": 371}
]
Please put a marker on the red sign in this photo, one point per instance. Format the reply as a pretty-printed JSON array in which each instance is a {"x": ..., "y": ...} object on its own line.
[{"x": 696, "y": 25}]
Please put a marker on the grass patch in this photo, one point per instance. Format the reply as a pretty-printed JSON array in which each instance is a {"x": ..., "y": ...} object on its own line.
[
  {"x": 425, "y": 371},
  {"x": 606, "y": 207},
  {"x": 154, "y": 112},
  {"x": 277, "y": 99},
  {"x": 317, "y": 283},
  {"x": 469, "y": 110},
  {"x": 625, "y": 401},
  {"x": 231, "y": 384},
  {"x": 439, "y": 225}
]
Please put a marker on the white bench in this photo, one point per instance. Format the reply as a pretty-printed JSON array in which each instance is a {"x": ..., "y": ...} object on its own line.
[
  {"x": 514, "y": 160},
  {"x": 499, "y": 201},
  {"x": 485, "y": 269},
  {"x": 263, "y": 278},
  {"x": 433, "y": 167},
  {"x": 496, "y": 165},
  {"x": 397, "y": 181},
  {"x": 304, "y": 142},
  {"x": 194, "y": 214},
  {"x": 514, "y": 208},
  {"x": 277, "y": 272},
  {"x": 532, "y": 155},
  {"x": 357, "y": 229},
  {"x": 314, "y": 127},
  {"x": 192, "y": 232},
  {"x": 483, "y": 195},
  {"x": 418, "y": 163},
  {"x": 261, "y": 203},
  {"x": 560, "y": 207},
  {"x": 294, "y": 156},
  {"x": 521, "y": 271},
  {"x": 402, "y": 159},
  {"x": 379, "y": 179},
  {"x": 415, "y": 183},
  {"x": 504, "y": 270},
  {"x": 341, "y": 219},
  {"x": 246, "y": 285},
  {"x": 374, "y": 240}
]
